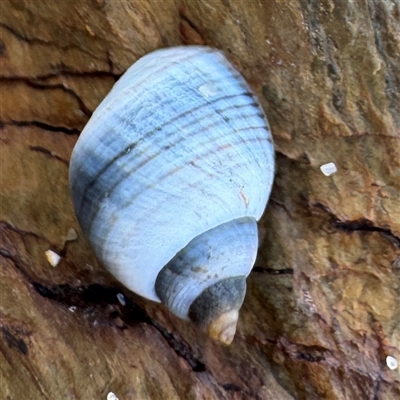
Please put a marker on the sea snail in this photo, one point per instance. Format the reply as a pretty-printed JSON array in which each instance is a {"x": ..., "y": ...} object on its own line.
[{"x": 168, "y": 179}]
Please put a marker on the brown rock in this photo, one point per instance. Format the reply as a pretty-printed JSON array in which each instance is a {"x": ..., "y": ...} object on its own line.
[{"x": 322, "y": 311}]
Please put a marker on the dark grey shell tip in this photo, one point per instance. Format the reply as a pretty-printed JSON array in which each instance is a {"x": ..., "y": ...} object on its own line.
[{"x": 216, "y": 309}]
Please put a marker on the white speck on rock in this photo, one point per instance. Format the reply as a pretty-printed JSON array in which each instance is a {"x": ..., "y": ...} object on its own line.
[
  {"x": 310, "y": 303},
  {"x": 328, "y": 169},
  {"x": 52, "y": 257},
  {"x": 71, "y": 235},
  {"x": 112, "y": 396},
  {"x": 391, "y": 362},
  {"x": 72, "y": 308},
  {"x": 121, "y": 299}
]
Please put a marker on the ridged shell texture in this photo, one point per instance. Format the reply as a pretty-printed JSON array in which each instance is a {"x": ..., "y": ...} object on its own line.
[{"x": 179, "y": 146}]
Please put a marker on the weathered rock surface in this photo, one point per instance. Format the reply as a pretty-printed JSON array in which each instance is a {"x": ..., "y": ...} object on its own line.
[{"x": 322, "y": 311}]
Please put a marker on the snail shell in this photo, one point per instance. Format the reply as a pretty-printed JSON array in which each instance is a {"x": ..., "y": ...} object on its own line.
[{"x": 168, "y": 179}]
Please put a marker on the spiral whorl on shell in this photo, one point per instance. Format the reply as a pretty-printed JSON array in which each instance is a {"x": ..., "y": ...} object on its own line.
[{"x": 168, "y": 179}]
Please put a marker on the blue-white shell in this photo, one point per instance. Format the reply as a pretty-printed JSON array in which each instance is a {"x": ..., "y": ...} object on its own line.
[{"x": 179, "y": 146}]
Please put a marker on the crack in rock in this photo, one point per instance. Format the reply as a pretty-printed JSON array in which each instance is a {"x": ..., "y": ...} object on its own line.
[
  {"x": 52, "y": 154},
  {"x": 41, "y": 125},
  {"x": 38, "y": 84},
  {"x": 363, "y": 225},
  {"x": 84, "y": 297},
  {"x": 189, "y": 32},
  {"x": 33, "y": 41},
  {"x": 63, "y": 71},
  {"x": 273, "y": 271},
  {"x": 82, "y": 106},
  {"x": 307, "y": 353},
  {"x": 309, "y": 357},
  {"x": 130, "y": 314},
  {"x": 13, "y": 341},
  {"x": 366, "y": 226},
  {"x": 180, "y": 348}
]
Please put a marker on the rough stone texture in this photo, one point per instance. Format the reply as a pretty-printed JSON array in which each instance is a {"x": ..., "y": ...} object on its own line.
[{"x": 322, "y": 310}]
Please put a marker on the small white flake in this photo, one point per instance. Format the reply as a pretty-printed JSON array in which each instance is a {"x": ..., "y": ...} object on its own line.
[
  {"x": 310, "y": 303},
  {"x": 112, "y": 396},
  {"x": 71, "y": 235},
  {"x": 391, "y": 362},
  {"x": 121, "y": 299},
  {"x": 72, "y": 308},
  {"x": 328, "y": 169},
  {"x": 52, "y": 257}
]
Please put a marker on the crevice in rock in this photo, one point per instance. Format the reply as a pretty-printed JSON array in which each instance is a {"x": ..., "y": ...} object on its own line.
[
  {"x": 273, "y": 271},
  {"x": 130, "y": 314},
  {"x": 3, "y": 48},
  {"x": 180, "y": 348},
  {"x": 362, "y": 224},
  {"x": 111, "y": 65},
  {"x": 13, "y": 341},
  {"x": 367, "y": 226},
  {"x": 84, "y": 297},
  {"x": 309, "y": 353},
  {"x": 189, "y": 32},
  {"x": 43, "y": 150},
  {"x": 33, "y": 41},
  {"x": 42, "y": 125},
  {"x": 231, "y": 387},
  {"x": 376, "y": 389},
  {"x": 23, "y": 38},
  {"x": 190, "y": 23},
  {"x": 38, "y": 84},
  {"x": 281, "y": 205},
  {"x": 42, "y": 86},
  {"x": 309, "y": 357},
  {"x": 63, "y": 71},
  {"x": 95, "y": 294},
  {"x": 296, "y": 351},
  {"x": 4, "y": 253},
  {"x": 19, "y": 231}
]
